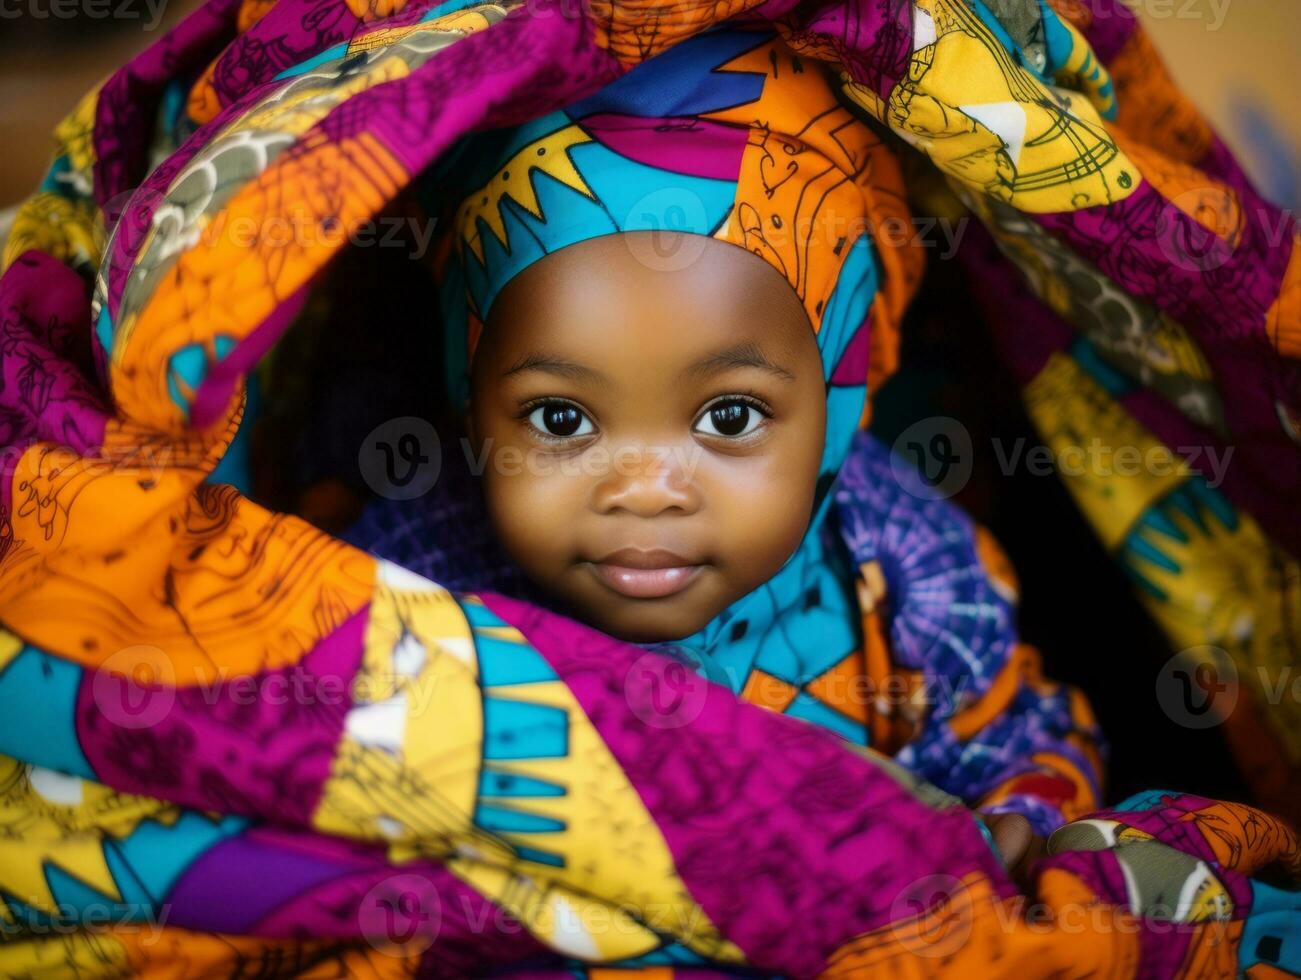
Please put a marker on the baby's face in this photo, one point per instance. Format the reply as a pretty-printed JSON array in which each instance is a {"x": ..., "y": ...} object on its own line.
[{"x": 652, "y": 438}]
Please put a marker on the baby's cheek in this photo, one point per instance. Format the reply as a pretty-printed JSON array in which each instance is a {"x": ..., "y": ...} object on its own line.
[
  {"x": 762, "y": 513},
  {"x": 532, "y": 510}
]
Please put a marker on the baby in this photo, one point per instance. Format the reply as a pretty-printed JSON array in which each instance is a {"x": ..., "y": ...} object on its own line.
[{"x": 658, "y": 307}]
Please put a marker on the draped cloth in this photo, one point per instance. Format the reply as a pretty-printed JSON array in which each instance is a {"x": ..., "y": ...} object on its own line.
[{"x": 233, "y": 742}]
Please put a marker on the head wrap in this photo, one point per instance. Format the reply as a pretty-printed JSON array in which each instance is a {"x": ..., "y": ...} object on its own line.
[{"x": 729, "y": 135}]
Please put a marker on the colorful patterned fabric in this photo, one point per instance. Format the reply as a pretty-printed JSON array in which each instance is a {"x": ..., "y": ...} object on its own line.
[{"x": 233, "y": 743}]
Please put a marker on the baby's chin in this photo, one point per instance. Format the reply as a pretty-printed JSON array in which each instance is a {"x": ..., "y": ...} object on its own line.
[{"x": 642, "y": 620}]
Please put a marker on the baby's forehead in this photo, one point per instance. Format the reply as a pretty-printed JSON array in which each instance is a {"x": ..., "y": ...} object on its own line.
[{"x": 627, "y": 294}]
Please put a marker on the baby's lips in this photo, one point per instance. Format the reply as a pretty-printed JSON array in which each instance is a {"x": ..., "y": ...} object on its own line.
[{"x": 646, "y": 583}]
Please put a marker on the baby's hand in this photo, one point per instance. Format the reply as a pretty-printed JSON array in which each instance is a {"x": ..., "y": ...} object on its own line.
[{"x": 1016, "y": 843}]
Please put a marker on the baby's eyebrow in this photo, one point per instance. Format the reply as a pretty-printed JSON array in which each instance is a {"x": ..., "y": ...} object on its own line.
[
  {"x": 747, "y": 354},
  {"x": 538, "y": 361}
]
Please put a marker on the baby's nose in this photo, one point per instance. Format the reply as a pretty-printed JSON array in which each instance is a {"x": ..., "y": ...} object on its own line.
[{"x": 646, "y": 482}]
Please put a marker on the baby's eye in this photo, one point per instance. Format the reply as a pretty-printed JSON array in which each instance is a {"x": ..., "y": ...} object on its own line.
[
  {"x": 730, "y": 418},
  {"x": 561, "y": 420}
]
